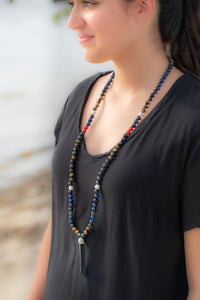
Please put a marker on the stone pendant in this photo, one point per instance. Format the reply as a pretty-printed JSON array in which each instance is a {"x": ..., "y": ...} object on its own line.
[{"x": 81, "y": 251}]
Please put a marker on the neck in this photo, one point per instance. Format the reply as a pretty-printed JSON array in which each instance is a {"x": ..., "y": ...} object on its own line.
[{"x": 139, "y": 73}]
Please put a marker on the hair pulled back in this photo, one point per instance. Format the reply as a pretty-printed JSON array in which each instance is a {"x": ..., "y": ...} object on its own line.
[{"x": 179, "y": 27}]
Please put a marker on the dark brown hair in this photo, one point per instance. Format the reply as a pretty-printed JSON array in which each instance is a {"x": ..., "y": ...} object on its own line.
[{"x": 179, "y": 27}]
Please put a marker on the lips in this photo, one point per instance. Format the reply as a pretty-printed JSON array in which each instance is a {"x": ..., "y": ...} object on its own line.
[{"x": 83, "y": 37}]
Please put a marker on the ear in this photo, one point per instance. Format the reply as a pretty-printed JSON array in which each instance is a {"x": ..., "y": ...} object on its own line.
[{"x": 144, "y": 10}]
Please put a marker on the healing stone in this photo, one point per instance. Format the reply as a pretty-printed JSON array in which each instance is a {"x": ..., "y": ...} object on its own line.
[{"x": 81, "y": 241}]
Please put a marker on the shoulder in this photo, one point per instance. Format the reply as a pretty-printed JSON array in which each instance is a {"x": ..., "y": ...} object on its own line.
[
  {"x": 187, "y": 97},
  {"x": 189, "y": 91}
]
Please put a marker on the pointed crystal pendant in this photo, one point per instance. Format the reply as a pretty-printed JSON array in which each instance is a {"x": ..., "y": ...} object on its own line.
[{"x": 81, "y": 250}]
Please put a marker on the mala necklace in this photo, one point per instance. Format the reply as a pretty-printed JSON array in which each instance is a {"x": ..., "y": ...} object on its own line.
[{"x": 82, "y": 235}]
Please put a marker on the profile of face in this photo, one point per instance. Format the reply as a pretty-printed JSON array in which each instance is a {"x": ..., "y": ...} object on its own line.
[{"x": 109, "y": 29}]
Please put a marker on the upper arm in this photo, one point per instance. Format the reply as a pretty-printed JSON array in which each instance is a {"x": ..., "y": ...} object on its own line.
[{"x": 192, "y": 258}]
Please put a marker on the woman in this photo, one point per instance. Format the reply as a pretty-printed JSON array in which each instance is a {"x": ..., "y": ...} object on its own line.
[{"x": 126, "y": 168}]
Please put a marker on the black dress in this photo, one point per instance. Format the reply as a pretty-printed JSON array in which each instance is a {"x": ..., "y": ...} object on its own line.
[{"x": 149, "y": 196}]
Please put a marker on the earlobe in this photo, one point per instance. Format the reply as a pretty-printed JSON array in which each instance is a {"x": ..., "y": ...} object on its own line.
[{"x": 145, "y": 9}]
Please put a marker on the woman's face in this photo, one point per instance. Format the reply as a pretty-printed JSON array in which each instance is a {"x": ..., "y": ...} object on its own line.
[{"x": 106, "y": 29}]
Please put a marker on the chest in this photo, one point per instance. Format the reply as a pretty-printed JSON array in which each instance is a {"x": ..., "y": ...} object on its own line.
[{"x": 111, "y": 122}]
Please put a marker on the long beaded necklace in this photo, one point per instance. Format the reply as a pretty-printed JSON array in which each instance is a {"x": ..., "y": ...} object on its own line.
[{"x": 82, "y": 235}]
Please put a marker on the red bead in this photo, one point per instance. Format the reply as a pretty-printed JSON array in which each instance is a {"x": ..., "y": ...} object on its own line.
[
  {"x": 129, "y": 130},
  {"x": 85, "y": 128}
]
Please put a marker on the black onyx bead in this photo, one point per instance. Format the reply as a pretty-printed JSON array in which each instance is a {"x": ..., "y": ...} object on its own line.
[
  {"x": 138, "y": 117},
  {"x": 147, "y": 102}
]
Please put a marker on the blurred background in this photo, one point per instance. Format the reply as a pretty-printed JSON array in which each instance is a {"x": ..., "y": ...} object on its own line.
[{"x": 40, "y": 62}]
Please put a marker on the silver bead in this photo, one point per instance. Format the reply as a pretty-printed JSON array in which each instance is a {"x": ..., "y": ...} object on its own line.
[
  {"x": 140, "y": 113},
  {"x": 97, "y": 186},
  {"x": 81, "y": 241}
]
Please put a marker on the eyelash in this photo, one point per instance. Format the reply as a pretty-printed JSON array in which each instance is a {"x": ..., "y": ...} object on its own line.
[{"x": 84, "y": 2}]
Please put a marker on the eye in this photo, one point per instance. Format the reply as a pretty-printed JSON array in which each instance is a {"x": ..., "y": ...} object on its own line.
[
  {"x": 70, "y": 3},
  {"x": 88, "y": 3}
]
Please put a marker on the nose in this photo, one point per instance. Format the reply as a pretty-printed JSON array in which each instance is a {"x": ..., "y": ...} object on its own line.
[{"x": 75, "y": 19}]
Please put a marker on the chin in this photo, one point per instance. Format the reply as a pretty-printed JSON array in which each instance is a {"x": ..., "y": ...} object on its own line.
[{"x": 95, "y": 58}]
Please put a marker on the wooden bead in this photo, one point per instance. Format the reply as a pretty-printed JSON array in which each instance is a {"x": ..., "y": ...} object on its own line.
[
  {"x": 77, "y": 231},
  {"x": 71, "y": 175},
  {"x": 85, "y": 232},
  {"x": 74, "y": 229},
  {"x": 89, "y": 228}
]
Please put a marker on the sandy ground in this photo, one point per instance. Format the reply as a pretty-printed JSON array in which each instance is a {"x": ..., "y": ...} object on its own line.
[{"x": 24, "y": 214}]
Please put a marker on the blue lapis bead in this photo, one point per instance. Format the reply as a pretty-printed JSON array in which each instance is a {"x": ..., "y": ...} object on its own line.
[
  {"x": 92, "y": 116},
  {"x": 71, "y": 208},
  {"x": 70, "y": 196},
  {"x": 96, "y": 195},
  {"x": 94, "y": 205},
  {"x": 70, "y": 192},
  {"x": 90, "y": 120},
  {"x": 71, "y": 200},
  {"x": 94, "y": 208},
  {"x": 136, "y": 121},
  {"x": 154, "y": 92},
  {"x": 88, "y": 123},
  {"x": 160, "y": 84},
  {"x": 71, "y": 205}
]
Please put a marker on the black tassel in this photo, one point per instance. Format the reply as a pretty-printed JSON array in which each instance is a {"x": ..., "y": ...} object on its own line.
[{"x": 81, "y": 252}]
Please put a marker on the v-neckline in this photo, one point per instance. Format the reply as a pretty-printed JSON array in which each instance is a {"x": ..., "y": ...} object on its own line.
[{"x": 141, "y": 125}]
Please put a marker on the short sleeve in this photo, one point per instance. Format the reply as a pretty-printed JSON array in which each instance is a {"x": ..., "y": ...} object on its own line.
[
  {"x": 59, "y": 123},
  {"x": 190, "y": 189}
]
